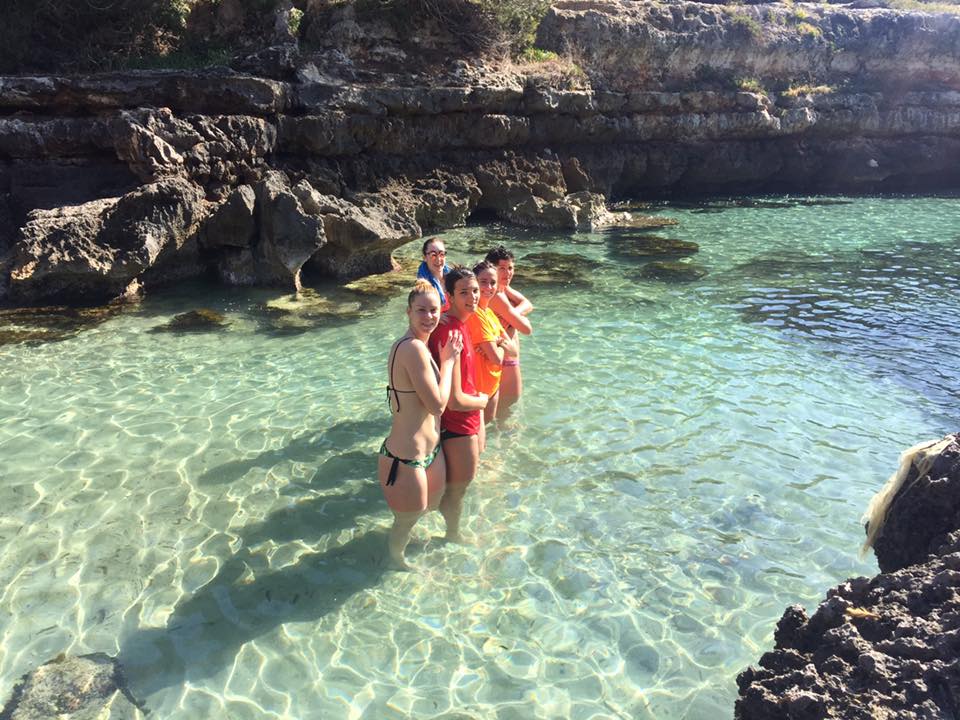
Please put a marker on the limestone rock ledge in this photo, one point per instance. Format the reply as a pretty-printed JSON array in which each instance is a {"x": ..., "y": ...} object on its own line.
[
  {"x": 885, "y": 647},
  {"x": 328, "y": 162}
]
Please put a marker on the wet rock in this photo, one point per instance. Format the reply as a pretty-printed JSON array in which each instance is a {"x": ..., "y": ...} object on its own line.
[
  {"x": 68, "y": 687},
  {"x": 645, "y": 247},
  {"x": 668, "y": 271},
  {"x": 314, "y": 303},
  {"x": 389, "y": 284},
  {"x": 93, "y": 252},
  {"x": 636, "y": 221},
  {"x": 51, "y": 324},
  {"x": 202, "y": 320},
  {"x": 552, "y": 268}
]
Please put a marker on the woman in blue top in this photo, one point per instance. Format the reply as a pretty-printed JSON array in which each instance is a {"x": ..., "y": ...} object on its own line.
[{"x": 434, "y": 267}]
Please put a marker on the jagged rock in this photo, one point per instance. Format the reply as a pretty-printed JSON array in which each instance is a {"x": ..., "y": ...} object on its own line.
[
  {"x": 288, "y": 234},
  {"x": 232, "y": 224},
  {"x": 214, "y": 151},
  {"x": 92, "y": 253},
  {"x": 925, "y": 508},
  {"x": 361, "y": 236},
  {"x": 202, "y": 320},
  {"x": 668, "y": 271},
  {"x": 886, "y": 646},
  {"x": 80, "y": 688}
]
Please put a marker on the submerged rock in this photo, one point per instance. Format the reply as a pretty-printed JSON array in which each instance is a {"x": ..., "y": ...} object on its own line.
[
  {"x": 670, "y": 271},
  {"x": 883, "y": 647},
  {"x": 551, "y": 268},
  {"x": 642, "y": 246},
  {"x": 309, "y": 303},
  {"x": 635, "y": 221},
  {"x": 202, "y": 320},
  {"x": 50, "y": 324},
  {"x": 68, "y": 687},
  {"x": 384, "y": 285}
]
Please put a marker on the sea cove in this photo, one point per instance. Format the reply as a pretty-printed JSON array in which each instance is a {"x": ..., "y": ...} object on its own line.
[{"x": 689, "y": 458}]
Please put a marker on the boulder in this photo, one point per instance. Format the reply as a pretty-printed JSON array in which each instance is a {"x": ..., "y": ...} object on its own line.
[
  {"x": 553, "y": 268},
  {"x": 919, "y": 506},
  {"x": 94, "y": 252},
  {"x": 361, "y": 234}
]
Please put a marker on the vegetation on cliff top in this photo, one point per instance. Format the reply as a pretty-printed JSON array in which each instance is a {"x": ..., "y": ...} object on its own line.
[{"x": 52, "y": 36}]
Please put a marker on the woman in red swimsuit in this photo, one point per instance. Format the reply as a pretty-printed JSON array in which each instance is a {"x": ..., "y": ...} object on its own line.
[{"x": 461, "y": 425}]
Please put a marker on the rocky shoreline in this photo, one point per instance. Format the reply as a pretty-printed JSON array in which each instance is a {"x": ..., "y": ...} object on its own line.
[
  {"x": 324, "y": 161},
  {"x": 884, "y": 647}
]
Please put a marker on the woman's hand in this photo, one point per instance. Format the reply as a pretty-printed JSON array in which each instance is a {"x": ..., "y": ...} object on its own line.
[
  {"x": 451, "y": 349},
  {"x": 484, "y": 398}
]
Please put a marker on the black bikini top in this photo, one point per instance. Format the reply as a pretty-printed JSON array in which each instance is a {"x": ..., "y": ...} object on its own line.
[{"x": 391, "y": 389}]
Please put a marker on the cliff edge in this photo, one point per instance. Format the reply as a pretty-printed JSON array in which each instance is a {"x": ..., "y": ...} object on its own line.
[{"x": 323, "y": 152}]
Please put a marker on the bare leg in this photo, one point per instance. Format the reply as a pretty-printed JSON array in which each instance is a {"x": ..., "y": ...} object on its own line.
[
  {"x": 462, "y": 454},
  {"x": 490, "y": 411},
  {"x": 511, "y": 387},
  {"x": 403, "y": 523}
]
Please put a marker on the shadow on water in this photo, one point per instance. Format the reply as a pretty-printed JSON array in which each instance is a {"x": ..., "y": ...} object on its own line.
[
  {"x": 873, "y": 307},
  {"x": 304, "y": 448},
  {"x": 205, "y": 633},
  {"x": 248, "y": 598}
]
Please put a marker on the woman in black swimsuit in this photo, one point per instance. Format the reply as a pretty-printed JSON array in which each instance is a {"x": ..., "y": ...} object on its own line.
[{"x": 412, "y": 468}]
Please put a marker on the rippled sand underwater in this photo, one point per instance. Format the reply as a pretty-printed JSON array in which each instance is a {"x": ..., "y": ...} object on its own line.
[{"x": 689, "y": 459}]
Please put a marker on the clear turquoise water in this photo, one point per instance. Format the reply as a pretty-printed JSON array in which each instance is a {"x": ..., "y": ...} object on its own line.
[{"x": 688, "y": 460}]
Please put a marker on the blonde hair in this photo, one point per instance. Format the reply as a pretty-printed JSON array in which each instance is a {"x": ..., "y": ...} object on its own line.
[
  {"x": 421, "y": 287},
  {"x": 920, "y": 456}
]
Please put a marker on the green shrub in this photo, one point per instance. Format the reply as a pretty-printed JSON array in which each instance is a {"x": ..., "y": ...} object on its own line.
[
  {"x": 808, "y": 30},
  {"x": 746, "y": 24},
  {"x": 479, "y": 25},
  {"x": 750, "y": 84}
]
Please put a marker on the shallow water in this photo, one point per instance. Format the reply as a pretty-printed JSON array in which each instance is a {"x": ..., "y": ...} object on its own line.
[{"x": 688, "y": 460}]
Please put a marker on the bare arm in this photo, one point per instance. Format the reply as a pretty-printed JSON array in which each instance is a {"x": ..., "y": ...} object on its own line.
[
  {"x": 509, "y": 315},
  {"x": 492, "y": 352},
  {"x": 433, "y": 394},
  {"x": 459, "y": 400},
  {"x": 519, "y": 302}
]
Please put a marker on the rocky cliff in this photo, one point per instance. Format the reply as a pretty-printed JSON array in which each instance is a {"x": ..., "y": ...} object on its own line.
[
  {"x": 324, "y": 161},
  {"x": 884, "y": 647}
]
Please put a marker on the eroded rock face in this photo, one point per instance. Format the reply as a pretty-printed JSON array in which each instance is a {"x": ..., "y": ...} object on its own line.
[
  {"x": 404, "y": 134},
  {"x": 881, "y": 647},
  {"x": 97, "y": 251}
]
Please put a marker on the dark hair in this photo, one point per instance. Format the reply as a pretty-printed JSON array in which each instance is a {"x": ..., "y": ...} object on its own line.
[
  {"x": 423, "y": 250},
  {"x": 457, "y": 272},
  {"x": 483, "y": 265},
  {"x": 497, "y": 254}
]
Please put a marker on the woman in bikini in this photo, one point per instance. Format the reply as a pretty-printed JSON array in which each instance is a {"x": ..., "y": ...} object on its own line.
[
  {"x": 411, "y": 467},
  {"x": 512, "y": 308},
  {"x": 461, "y": 425}
]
